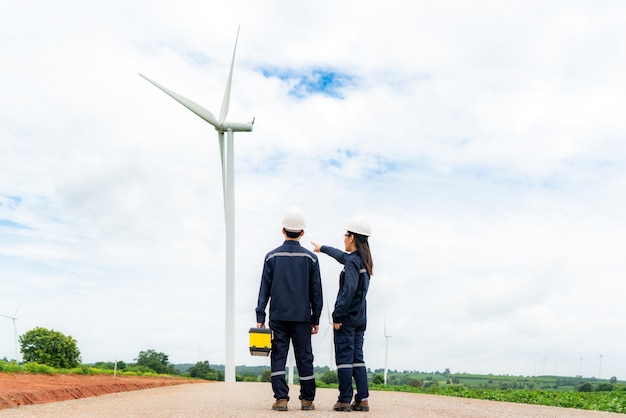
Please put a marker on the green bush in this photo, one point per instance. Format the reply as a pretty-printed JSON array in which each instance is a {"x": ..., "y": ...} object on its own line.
[
  {"x": 431, "y": 383},
  {"x": 329, "y": 377},
  {"x": 156, "y": 361},
  {"x": 49, "y": 347},
  {"x": 378, "y": 380},
  {"x": 82, "y": 369},
  {"x": 266, "y": 376},
  {"x": 415, "y": 383},
  {"x": 36, "y": 368},
  {"x": 604, "y": 387},
  {"x": 201, "y": 370},
  {"x": 9, "y": 366},
  {"x": 139, "y": 370}
]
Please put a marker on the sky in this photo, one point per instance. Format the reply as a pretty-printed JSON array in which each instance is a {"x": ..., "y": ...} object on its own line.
[{"x": 484, "y": 141}]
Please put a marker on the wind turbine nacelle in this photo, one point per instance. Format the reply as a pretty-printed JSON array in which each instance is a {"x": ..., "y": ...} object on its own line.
[{"x": 235, "y": 127}]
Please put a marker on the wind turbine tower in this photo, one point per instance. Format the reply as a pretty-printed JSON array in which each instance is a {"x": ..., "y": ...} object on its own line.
[
  {"x": 222, "y": 126},
  {"x": 600, "y": 370},
  {"x": 580, "y": 367},
  {"x": 331, "y": 344},
  {"x": 331, "y": 355},
  {"x": 14, "y": 318},
  {"x": 386, "y": 351}
]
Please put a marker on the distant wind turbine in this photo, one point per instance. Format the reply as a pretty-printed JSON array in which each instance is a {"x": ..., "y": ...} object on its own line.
[
  {"x": 14, "y": 318},
  {"x": 580, "y": 368},
  {"x": 222, "y": 126},
  {"x": 386, "y": 350},
  {"x": 329, "y": 327},
  {"x": 600, "y": 370}
]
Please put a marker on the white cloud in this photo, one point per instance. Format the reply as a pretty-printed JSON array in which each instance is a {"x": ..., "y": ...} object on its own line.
[{"x": 484, "y": 142}]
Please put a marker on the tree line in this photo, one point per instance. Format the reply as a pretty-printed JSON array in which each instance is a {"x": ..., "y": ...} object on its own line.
[{"x": 53, "y": 348}]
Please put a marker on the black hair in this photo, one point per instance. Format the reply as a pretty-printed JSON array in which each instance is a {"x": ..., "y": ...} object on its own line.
[
  {"x": 363, "y": 249},
  {"x": 291, "y": 234}
]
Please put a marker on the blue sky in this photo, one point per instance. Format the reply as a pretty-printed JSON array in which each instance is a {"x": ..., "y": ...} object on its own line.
[
  {"x": 313, "y": 81},
  {"x": 484, "y": 142}
]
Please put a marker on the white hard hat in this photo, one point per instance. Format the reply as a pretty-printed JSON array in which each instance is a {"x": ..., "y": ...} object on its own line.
[
  {"x": 359, "y": 225},
  {"x": 293, "y": 220}
]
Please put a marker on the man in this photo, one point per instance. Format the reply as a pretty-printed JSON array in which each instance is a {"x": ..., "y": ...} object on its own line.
[{"x": 292, "y": 285}]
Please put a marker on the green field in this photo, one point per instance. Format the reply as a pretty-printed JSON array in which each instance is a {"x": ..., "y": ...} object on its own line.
[{"x": 566, "y": 392}]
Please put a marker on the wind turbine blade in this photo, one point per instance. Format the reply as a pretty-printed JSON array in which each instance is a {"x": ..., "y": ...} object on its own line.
[
  {"x": 324, "y": 335},
  {"x": 330, "y": 316},
  {"x": 17, "y": 310},
  {"x": 226, "y": 101},
  {"x": 222, "y": 157},
  {"x": 194, "y": 107}
]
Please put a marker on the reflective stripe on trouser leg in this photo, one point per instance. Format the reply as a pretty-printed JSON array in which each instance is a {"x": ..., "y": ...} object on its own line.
[
  {"x": 303, "y": 352},
  {"x": 344, "y": 375},
  {"x": 280, "y": 348},
  {"x": 360, "y": 371},
  {"x": 344, "y": 356}
]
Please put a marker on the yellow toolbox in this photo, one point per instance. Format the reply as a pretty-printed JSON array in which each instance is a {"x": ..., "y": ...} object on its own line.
[{"x": 260, "y": 341}]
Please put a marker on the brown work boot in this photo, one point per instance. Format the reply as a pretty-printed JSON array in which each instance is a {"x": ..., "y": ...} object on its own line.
[
  {"x": 280, "y": 405},
  {"x": 340, "y": 406},
  {"x": 307, "y": 405},
  {"x": 360, "y": 406}
]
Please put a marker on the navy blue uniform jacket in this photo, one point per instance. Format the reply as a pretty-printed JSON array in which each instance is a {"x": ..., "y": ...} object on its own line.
[
  {"x": 291, "y": 283},
  {"x": 351, "y": 305}
]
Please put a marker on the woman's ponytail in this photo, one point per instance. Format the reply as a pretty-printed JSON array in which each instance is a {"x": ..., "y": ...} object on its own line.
[{"x": 363, "y": 249}]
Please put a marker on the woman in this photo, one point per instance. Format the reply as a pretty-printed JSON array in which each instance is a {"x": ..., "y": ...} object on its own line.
[{"x": 349, "y": 315}]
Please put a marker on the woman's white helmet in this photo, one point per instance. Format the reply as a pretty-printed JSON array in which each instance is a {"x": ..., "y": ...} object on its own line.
[
  {"x": 359, "y": 225},
  {"x": 293, "y": 220}
]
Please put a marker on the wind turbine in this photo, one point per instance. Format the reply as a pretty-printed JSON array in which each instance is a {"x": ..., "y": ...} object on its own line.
[
  {"x": 580, "y": 368},
  {"x": 222, "y": 126},
  {"x": 386, "y": 350},
  {"x": 14, "y": 318},
  {"x": 328, "y": 328},
  {"x": 600, "y": 370},
  {"x": 291, "y": 354}
]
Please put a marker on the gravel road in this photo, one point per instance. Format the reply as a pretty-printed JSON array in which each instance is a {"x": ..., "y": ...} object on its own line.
[{"x": 255, "y": 399}]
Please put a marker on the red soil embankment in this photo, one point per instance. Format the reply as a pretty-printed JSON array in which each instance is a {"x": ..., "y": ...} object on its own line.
[{"x": 27, "y": 389}]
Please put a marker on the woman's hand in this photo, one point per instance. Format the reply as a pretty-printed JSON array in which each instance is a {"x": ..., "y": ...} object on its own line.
[
  {"x": 337, "y": 325},
  {"x": 316, "y": 247}
]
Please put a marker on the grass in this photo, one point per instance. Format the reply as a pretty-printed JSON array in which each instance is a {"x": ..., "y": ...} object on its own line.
[
  {"x": 36, "y": 368},
  {"x": 472, "y": 386},
  {"x": 612, "y": 401}
]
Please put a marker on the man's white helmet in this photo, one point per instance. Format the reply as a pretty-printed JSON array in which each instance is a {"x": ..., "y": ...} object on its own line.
[
  {"x": 293, "y": 220},
  {"x": 359, "y": 225}
]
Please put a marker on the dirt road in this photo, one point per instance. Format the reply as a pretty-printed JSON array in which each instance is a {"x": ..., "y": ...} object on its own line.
[{"x": 254, "y": 400}]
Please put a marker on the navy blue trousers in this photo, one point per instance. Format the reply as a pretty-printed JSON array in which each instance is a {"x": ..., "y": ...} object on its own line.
[
  {"x": 300, "y": 334},
  {"x": 350, "y": 362}
]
